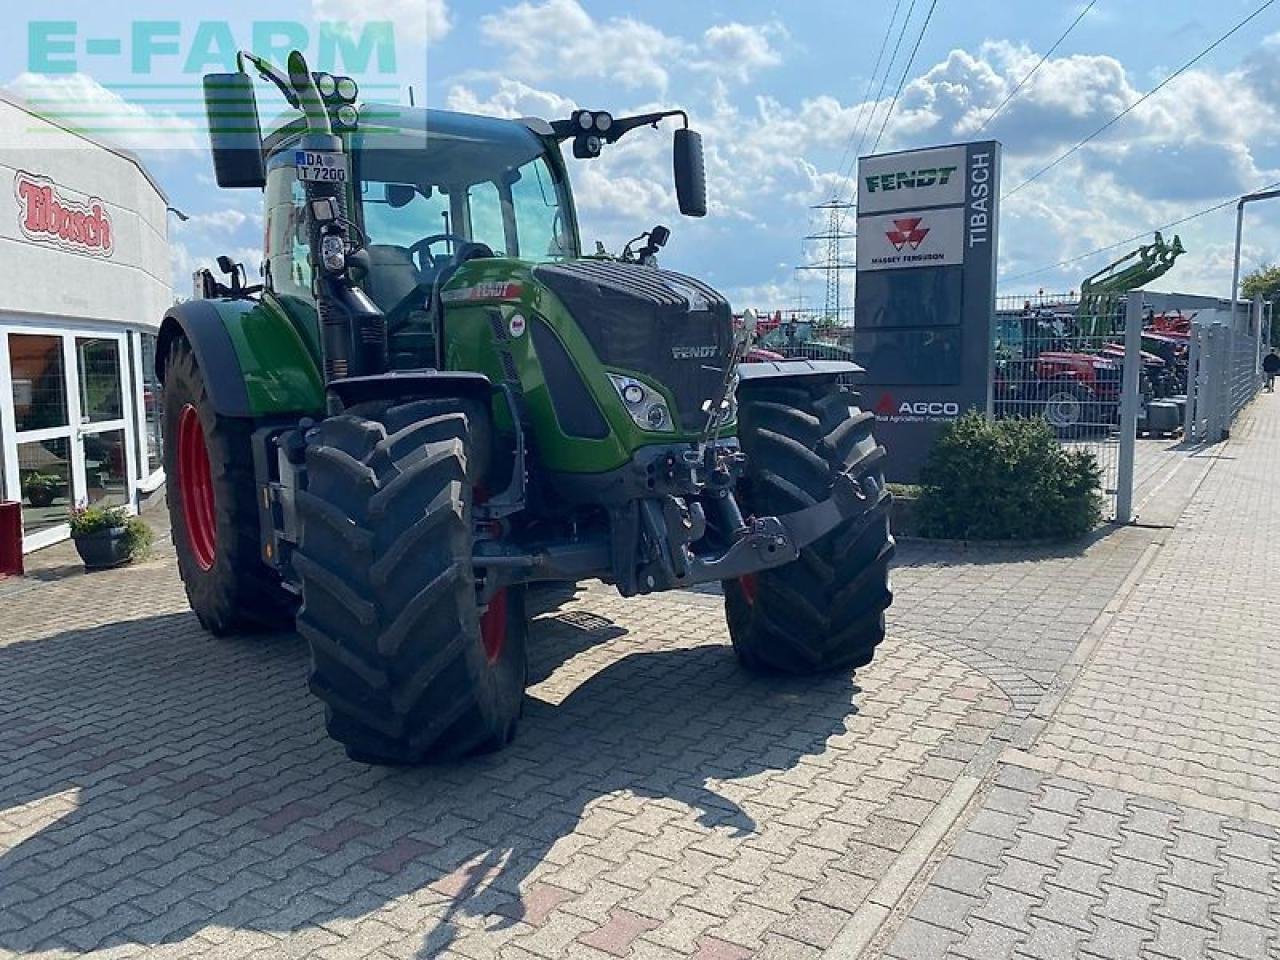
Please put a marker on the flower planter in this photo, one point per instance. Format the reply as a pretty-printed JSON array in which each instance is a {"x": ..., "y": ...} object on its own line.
[
  {"x": 103, "y": 548},
  {"x": 41, "y": 496}
]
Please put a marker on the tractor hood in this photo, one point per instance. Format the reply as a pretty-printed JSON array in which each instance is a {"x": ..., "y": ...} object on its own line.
[{"x": 661, "y": 325}]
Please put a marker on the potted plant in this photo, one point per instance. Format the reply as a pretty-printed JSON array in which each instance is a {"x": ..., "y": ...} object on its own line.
[
  {"x": 107, "y": 536},
  {"x": 41, "y": 489}
]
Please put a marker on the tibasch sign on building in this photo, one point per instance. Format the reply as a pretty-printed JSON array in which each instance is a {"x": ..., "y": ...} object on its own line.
[{"x": 925, "y": 297}]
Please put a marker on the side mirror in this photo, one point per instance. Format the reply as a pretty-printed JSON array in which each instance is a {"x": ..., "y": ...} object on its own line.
[
  {"x": 235, "y": 136},
  {"x": 690, "y": 173},
  {"x": 659, "y": 236}
]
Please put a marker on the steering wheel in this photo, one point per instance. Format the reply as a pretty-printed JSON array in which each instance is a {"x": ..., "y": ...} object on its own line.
[
  {"x": 422, "y": 248},
  {"x": 426, "y": 295}
]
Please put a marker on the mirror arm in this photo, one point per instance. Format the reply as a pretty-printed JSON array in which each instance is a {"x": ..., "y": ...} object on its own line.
[
  {"x": 625, "y": 125},
  {"x": 567, "y": 129}
]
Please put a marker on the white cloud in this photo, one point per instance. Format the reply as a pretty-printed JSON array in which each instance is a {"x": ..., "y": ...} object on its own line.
[
  {"x": 510, "y": 98},
  {"x": 560, "y": 39},
  {"x": 228, "y": 220},
  {"x": 415, "y": 20},
  {"x": 739, "y": 51},
  {"x": 183, "y": 263},
  {"x": 77, "y": 101}
]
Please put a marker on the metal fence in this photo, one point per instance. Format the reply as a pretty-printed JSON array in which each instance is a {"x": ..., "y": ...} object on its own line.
[
  {"x": 1076, "y": 364},
  {"x": 1224, "y": 368}
]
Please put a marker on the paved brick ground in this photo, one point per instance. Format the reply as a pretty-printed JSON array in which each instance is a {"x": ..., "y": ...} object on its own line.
[
  {"x": 166, "y": 793},
  {"x": 1143, "y": 820}
]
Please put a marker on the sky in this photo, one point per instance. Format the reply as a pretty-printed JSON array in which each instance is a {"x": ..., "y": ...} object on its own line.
[{"x": 786, "y": 95}]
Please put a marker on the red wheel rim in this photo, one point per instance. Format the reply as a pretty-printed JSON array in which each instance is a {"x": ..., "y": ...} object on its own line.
[
  {"x": 493, "y": 626},
  {"x": 749, "y": 588},
  {"x": 195, "y": 483}
]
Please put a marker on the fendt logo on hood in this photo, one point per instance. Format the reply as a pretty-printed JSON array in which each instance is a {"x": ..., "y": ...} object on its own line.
[
  {"x": 907, "y": 233},
  {"x": 701, "y": 352},
  {"x": 44, "y": 216}
]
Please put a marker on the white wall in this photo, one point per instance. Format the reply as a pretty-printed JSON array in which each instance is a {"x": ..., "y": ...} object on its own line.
[{"x": 132, "y": 285}]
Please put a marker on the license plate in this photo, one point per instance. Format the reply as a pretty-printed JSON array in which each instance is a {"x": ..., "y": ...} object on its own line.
[{"x": 315, "y": 165}]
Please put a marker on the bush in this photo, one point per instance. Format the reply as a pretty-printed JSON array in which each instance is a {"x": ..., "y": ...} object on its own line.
[
  {"x": 1007, "y": 480},
  {"x": 137, "y": 535},
  {"x": 86, "y": 520}
]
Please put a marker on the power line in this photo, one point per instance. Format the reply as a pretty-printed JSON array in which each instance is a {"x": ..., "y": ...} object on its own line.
[
  {"x": 866, "y": 98},
  {"x": 906, "y": 70},
  {"x": 884, "y": 82},
  {"x": 1146, "y": 96},
  {"x": 1021, "y": 83},
  {"x": 1122, "y": 243}
]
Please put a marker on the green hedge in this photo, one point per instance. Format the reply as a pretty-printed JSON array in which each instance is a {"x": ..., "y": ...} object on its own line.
[{"x": 1007, "y": 480}]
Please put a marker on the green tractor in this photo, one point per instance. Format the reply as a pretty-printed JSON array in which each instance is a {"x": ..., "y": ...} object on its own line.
[{"x": 434, "y": 401}]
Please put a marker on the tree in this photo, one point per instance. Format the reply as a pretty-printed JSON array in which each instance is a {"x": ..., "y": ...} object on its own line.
[{"x": 1265, "y": 280}]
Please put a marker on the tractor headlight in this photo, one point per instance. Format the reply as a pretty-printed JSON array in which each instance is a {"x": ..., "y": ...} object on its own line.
[
  {"x": 644, "y": 404},
  {"x": 728, "y": 412},
  {"x": 347, "y": 115},
  {"x": 333, "y": 253},
  {"x": 347, "y": 90}
]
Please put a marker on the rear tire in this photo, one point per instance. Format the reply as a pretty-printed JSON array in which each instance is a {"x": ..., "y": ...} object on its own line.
[
  {"x": 213, "y": 508},
  {"x": 825, "y": 610},
  {"x": 408, "y": 668}
]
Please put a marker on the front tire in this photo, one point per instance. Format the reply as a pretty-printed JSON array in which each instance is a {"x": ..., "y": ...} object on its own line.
[
  {"x": 213, "y": 510},
  {"x": 825, "y": 610},
  {"x": 409, "y": 668}
]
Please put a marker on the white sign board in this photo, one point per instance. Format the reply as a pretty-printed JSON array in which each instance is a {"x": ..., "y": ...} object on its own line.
[
  {"x": 915, "y": 238},
  {"x": 921, "y": 178}
]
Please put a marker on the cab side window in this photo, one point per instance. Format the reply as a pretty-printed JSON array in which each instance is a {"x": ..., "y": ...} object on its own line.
[{"x": 287, "y": 251}]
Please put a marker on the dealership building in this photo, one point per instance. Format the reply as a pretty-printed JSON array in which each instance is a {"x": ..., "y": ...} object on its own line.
[{"x": 84, "y": 259}]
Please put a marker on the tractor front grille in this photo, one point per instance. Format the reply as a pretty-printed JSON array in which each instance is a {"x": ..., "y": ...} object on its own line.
[{"x": 663, "y": 325}]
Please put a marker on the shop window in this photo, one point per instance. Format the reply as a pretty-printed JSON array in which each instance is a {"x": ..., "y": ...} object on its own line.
[
  {"x": 152, "y": 416},
  {"x": 101, "y": 397},
  {"x": 44, "y": 477},
  {"x": 39, "y": 376}
]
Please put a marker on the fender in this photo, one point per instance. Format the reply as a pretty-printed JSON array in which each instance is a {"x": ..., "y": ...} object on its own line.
[
  {"x": 254, "y": 362},
  {"x": 413, "y": 383},
  {"x": 778, "y": 369}
]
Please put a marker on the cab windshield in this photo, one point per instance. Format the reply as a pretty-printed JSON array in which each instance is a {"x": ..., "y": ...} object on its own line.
[{"x": 419, "y": 201}]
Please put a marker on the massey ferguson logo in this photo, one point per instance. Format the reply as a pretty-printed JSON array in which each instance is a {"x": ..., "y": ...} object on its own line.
[
  {"x": 914, "y": 410},
  {"x": 907, "y": 233},
  {"x": 46, "y": 217}
]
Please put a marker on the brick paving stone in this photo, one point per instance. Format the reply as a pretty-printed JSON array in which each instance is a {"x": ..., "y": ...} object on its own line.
[{"x": 616, "y": 935}]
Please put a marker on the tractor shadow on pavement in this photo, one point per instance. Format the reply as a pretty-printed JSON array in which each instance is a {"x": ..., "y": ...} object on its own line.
[{"x": 155, "y": 783}]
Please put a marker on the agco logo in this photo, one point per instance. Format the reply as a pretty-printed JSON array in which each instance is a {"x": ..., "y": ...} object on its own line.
[
  {"x": 890, "y": 409},
  {"x": 931, "y": 408},
  {"x": 907, "y": 233}
]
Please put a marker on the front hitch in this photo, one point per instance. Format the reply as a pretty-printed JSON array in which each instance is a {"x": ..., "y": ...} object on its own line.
[{"x": 765, "y": 542}]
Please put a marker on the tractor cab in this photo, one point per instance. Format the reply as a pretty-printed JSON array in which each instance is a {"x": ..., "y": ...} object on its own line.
[{"x": 428, "y": 189}]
